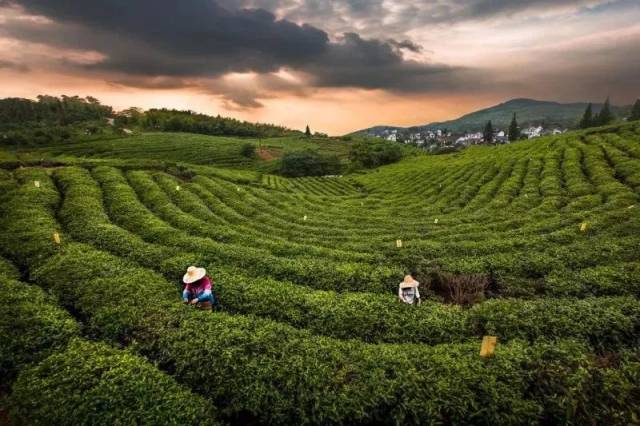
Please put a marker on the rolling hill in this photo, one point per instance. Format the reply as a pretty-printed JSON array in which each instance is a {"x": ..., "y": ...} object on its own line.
[
  {"x": 541, "y": 237},
  {"x": 528, "y": 111}
]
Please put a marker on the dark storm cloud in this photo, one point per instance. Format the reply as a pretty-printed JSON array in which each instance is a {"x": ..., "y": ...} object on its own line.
[
  {"x": 374, "y": 64},
  {"x": 201, "y": 38},
  {"x": 200, "y": 35},
  {"x": 168, "y": 44}
]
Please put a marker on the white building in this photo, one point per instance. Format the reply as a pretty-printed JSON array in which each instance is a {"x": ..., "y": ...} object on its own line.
[{"x": 533, "y": 132}]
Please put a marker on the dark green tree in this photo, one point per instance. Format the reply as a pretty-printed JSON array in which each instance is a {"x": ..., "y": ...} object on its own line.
[
  {"x": 308, "y": 163},
  {"x": 248, "y": 150},
  {"x": 374, "y": 153},
  {"x": 307, "y": 131},
  {"x": 605, "y": 116},
  {"x": 488, "y": 132},
  {"x": 635, "y": 111},
  {"x": 587, "y": 117},
  {"x": 514, "y": 130}
]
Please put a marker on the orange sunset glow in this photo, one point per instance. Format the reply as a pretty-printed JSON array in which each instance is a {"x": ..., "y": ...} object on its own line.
[{"x": 337, "y": 66}]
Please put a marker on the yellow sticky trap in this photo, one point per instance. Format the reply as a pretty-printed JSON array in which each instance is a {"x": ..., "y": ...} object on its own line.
[
  {"x": 177, "y": 187},
  {"x": 56, "y": 238},
  {"x": 36, "y": 183},
  {"x": 488, "y": 348},
  {"x": 305, "y": 217},
  {"x": 584, "y": 226},
  {"x": 399, "y": 243},
  {"x": 436, "y": 220}
]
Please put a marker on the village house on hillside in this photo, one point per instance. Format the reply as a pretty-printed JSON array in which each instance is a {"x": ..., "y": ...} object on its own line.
[{"x": 442, "y": 138}]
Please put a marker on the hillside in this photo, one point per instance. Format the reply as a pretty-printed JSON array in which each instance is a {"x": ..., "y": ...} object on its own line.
[
  {"x": 189, "y": 148},
  {"x": 529, "y": 112},
  {"x": 536, "y": 243}
]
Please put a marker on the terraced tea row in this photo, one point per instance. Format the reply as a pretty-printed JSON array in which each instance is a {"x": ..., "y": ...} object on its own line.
[
  {"x": 310, "y": 329},
  {"x": 347, "y": 316},
  {"x": 357, "y": 382}
]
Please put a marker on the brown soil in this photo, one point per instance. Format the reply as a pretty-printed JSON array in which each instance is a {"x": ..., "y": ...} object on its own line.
[{"x": 266, "y": 154}]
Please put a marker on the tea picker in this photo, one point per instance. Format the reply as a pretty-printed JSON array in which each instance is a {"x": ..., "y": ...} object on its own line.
[
  {"x": 408, "y": 291},
  {"x": 198, "y": 290}
]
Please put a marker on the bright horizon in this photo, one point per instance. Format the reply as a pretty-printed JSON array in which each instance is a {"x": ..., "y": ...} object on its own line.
[{"x": 337, "y": 66}]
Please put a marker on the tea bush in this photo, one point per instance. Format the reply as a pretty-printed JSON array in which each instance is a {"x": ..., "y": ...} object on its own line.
[
  {"x": 32, "y": 327},
  {"x": 93, "y": 384},
  {"x": 310, "y": 328}
]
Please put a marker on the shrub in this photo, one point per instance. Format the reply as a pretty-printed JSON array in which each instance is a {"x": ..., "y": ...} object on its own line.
[
  {"x": 32, "y": 327},
  {"x": 94, "y": 384},
  {"x": 248, "y": 150},
  {"x": 28, "y": 223},
  {"x": 460, "y": 289},
  {"x": 374, "y": 153},
  {"x": 7, "y": 270},
  {"x": 308, "y": 163}
]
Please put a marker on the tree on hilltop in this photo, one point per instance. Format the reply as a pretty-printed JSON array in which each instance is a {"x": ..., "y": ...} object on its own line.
[
  {"x": 307, "y": 131},
  {"x": 488, "y": 132},
  {"x": 605, "y": 116},
  {"x": 635, "y": 111},
  {"x": 514, "y": 130},
  {"x": 587, "y": 117}
]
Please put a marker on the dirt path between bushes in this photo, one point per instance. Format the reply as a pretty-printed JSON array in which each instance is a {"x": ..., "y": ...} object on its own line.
[{"x": 267, "y": 155}]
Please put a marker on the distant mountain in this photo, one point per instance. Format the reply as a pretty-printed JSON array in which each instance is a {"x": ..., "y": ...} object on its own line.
[{"x": 529, "y": 112}]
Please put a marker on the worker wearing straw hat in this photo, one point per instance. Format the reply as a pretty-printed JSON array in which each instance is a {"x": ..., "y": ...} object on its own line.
[
  {"x": 408, "y": 291},
  {"x": 198, "y": 289}
]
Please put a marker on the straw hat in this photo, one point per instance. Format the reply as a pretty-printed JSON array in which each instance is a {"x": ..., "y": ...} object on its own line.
[
  {"x": 409, "y": 282},
  {"x": 193, "y": 274}
]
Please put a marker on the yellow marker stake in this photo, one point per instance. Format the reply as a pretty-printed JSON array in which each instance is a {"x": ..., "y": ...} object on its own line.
[
  {"x": 177, "y": 187},
  {"x": 56, "y": 238},
  {"x": 36, "y": 183},
  {"x": 584, "y": 226},
  {"x": 238, "y": 188},
  {"x": 399, "y": 243},
  {"x": 488, "y": 348},
  {"x": 435, "y": 221},
  {"x": 305, "y": 217}
]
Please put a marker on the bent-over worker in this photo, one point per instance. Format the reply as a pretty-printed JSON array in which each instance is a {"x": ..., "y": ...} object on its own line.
[
  {"x": 198, "y": 289},
  {"x": 408, "y": 291}
]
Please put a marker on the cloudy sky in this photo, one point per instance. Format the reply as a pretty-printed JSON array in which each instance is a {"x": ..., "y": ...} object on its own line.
[{"x": 338, "y": 65}]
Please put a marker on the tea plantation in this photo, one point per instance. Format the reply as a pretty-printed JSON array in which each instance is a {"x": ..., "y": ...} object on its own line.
[{"x": 310, "y": 330}]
